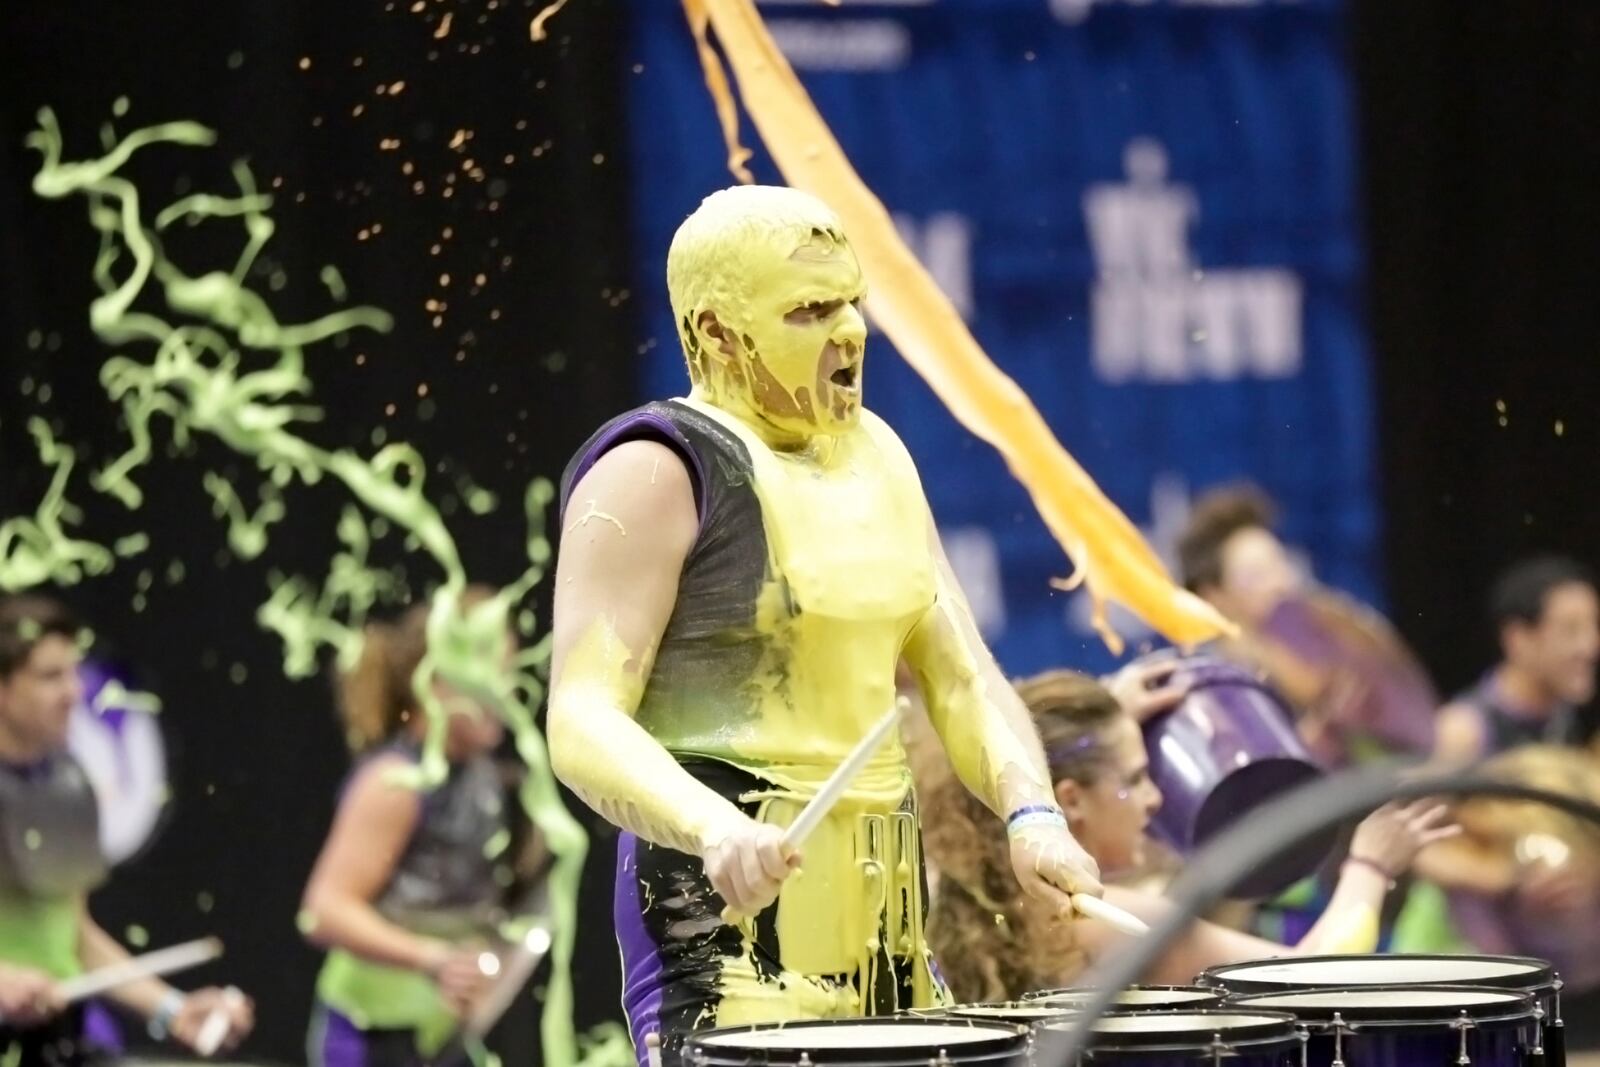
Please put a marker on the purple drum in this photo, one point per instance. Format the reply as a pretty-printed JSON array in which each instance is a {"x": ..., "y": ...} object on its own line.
[
  {"x": 1380, "y": 1026},
  {"x": 1242, "y": 1038},
  {"x": 1519, "y": 974},
  {"x": 1228, "y": 747}
]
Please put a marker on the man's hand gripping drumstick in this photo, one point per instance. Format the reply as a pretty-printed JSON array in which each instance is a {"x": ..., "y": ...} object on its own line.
[
  {"x": 749, "y": 866},
  {"x": 993, "y": 746}
]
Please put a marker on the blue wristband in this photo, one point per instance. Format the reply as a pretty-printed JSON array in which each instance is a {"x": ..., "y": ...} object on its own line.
[{"x": 1035, "y": 815}]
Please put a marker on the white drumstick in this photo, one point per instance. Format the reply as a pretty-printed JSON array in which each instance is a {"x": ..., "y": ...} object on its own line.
[
  {"x": 833, "y": 789},
  {"x": 652, "y": 1049},
  {"x": 1113, "y": 916},
  {"x": 516, "y": 967},
  {"x": 150, "y": 965},
  {"x": 818, "y": 807},
  {"x": 215, "y": 1028}
]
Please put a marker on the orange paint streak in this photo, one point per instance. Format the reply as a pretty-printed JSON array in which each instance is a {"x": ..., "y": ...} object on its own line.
[{"x": 1112, "y": 560}]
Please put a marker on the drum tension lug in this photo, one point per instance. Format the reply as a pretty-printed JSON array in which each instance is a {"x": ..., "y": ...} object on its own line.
[
  {"x": 1340, "y": 1029},
  {"x": 1462, "y": 1025},
  {"x": 1219, "y": 1049}
]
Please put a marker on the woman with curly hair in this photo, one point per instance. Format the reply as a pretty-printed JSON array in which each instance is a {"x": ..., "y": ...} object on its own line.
[{"x": 994, "y": 943}]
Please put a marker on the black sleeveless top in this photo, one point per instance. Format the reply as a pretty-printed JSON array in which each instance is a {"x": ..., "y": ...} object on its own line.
[{"x": 713, "y": 644}]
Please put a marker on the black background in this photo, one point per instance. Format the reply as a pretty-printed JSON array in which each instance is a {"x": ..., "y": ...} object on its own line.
[
  {"x": 1483, "y": 208},
  {"x": 1482, "y": 170},
  {"x": 258, "y": 762}
]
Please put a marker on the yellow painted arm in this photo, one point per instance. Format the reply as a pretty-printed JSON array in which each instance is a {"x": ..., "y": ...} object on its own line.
[{"x": 630, "y": 524}]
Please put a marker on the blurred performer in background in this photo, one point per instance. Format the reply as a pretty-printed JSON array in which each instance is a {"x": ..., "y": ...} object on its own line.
[
  {"x": 1143, "y": 688},
  {"x": 1525, "y": 878},
  {"x": 51, "y": 857},
  {"x": 412, "y": 884},
  {"x": 1360, "y": 692},
  {"x": 1546, "y": 617},
  {"x": 992, "y": 943}
]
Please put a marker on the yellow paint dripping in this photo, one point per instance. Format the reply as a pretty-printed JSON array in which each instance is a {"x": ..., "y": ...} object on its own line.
[
  {"x": 1112, "y": 561},
  {"x": 593, "y": 513}
]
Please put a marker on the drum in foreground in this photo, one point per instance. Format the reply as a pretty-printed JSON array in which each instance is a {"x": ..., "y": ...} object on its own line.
[
  {"x": 1243, "y": 1038},
  {"x": 1134, "y": 998},
  {"x": 1027, "y": 1013},
  {"x": 889, "y": 1042},
  {"x": 1523, "y": 974},
  {"x": 1380, "y": 1026}
]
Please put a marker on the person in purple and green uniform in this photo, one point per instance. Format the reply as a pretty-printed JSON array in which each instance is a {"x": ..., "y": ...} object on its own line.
[
  {"x": 50, "y": 858},
  {"x": 412, "y": 884}
]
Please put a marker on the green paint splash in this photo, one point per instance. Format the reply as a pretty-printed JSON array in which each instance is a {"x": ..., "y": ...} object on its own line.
[
  {"x": 113, "y": 694},
  {"x": 233, "y": 372},
  {"x": 331, "y": 277},
  {"x": 247, "y": 533},
  {"x": 36, "y": 549}
]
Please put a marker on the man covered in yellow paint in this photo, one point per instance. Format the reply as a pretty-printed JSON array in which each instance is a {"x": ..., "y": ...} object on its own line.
[{"x": 740, "y": 572}]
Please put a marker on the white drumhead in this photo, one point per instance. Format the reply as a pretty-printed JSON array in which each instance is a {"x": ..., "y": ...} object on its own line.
[
  {"x": 1131, "y": 997},
  {"x": 1379, "y": 970},
  {"x": 1387, "y": 998},
  {"x": 1032, "y": 1009},
  {"x": 1138, "y": 997},
  {"x": 1179, "y": 1022},
  {"x": 866, "y": 1034}
]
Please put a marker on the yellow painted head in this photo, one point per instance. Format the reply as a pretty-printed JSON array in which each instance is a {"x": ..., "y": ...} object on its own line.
[{"x": 766, "y": 292}]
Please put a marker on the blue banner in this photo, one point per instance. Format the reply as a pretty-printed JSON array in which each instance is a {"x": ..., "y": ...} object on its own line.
[{"x": 1147, "y": 213}]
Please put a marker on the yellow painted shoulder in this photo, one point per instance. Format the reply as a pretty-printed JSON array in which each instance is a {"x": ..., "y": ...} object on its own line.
[{"x": 894, "y": 449}]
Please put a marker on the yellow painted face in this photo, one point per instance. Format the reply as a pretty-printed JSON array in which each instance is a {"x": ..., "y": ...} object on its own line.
[
  {"x": 798, "y": 339},
  {"x": 767, "y": 291}
]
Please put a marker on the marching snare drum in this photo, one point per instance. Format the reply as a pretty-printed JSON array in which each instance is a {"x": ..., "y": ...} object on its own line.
[
  {"x": 1017, "y": 1012},
  {"x": 1134, "y": 998},
  {"x": 1184, "y": 1039},
  {"x": 887, "y": 1042},
  {"x": 1523, "y": 974},
  {"x": 1397, "y": 1027}
]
